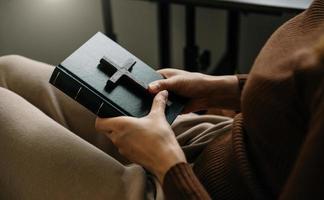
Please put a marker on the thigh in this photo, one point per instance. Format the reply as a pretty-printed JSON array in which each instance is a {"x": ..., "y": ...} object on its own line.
[
  {"x": 30, "y": 80},
  {"x": 40, "y": 159}
]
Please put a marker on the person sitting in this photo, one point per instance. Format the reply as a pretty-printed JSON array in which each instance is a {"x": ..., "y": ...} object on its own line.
[{"x": 273, "y": 149}]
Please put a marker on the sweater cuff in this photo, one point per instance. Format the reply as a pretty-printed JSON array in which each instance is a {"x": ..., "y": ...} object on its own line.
[
  {"x": 180, "y": 182},
  {"x": 242, "y": 78}
]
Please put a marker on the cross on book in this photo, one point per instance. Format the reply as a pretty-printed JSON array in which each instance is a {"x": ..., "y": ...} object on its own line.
[
  {"x": 120, "y": 72},
  {"x": 123, "y": 71}
]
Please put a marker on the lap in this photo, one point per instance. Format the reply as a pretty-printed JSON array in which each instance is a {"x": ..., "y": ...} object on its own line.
[
  {"x": 40, "y": 159},
  {"x": 30, "y": 80}
]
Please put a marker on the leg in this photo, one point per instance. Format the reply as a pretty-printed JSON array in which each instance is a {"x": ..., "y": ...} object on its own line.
[
  {"x": 40, "y": 159},
  {"x": 29, "y": 79}
]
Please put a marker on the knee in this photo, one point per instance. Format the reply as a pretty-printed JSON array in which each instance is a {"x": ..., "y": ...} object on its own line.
[
  {"x": 6, "y": 100},
  {"x": 5, "y": 94},
  {"x": 12, "y": 106},
  {"x": 9, "y": 62}
]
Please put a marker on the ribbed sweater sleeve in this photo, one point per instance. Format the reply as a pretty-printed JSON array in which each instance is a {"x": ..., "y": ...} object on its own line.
[
  {"x": 242, "y": 78},
  {"x": 180, "y": 182}
]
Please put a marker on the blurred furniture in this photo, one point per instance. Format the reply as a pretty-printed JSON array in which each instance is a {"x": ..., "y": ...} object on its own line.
[
  {"x": 193, "y": 61},
  {"x": 107, "y": 19}
]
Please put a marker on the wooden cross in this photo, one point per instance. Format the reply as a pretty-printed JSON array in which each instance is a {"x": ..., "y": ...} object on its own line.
[{"x": 120, "y": 72}]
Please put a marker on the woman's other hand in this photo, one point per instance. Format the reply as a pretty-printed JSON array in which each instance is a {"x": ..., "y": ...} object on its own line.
[
  {"x": 204, "y": 91},
  {"x": 148, "y": 141}
]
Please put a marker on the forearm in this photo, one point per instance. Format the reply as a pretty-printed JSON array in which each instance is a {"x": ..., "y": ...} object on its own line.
[{"x": 224, "y": 92}]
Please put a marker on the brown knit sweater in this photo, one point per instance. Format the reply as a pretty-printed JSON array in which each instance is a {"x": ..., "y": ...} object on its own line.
[{"x": 276, "y": 147}]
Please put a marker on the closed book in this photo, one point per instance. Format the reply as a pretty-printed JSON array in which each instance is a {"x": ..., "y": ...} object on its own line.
[{"x": 110, "y": 81}]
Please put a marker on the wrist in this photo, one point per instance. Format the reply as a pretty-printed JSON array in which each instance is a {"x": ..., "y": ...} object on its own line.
[
  {"x": 169, "y": 160},
  {"x": 224, "y": 92}
]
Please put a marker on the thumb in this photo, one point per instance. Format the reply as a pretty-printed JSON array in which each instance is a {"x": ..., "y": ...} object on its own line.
[
  {"x": 159, "y": 103},
  {"x": 160, "y": 85}
]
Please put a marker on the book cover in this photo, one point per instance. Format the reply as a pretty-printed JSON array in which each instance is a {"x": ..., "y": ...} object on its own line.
[{"x": 110, "y": 81}]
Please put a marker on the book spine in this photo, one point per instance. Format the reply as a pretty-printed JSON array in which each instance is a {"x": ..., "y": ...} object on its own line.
[{"x": 82, "y": 94}]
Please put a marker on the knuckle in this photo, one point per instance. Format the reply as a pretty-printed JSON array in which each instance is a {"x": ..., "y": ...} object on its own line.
[
  {"x": 164, "y": 72},
  {"x": 121, "y": 125},
  {"x": 117, "y": 139},
  {"x": 167, "y": 72},
  {"x": 121, "y": 151},
  {"x": 114, "y": 140},
  {"x": 97, "y": 126},
  {"x": 163, "y": 84}
]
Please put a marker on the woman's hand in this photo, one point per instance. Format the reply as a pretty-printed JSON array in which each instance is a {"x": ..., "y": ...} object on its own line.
[
  {"x": 204, "y": 91},
  {"x": 148, "y": 141}
]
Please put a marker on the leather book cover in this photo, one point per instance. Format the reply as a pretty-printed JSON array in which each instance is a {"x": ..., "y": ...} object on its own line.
[{"x": 108, "y": 80}]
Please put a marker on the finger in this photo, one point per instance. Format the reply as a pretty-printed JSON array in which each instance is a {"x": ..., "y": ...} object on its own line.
[
  {"x": 168, "y": 72},
  {"x": 159, "y": 102},
  {"x": 160, "y": 85},
  {"x": 113, "y": 137},
  {"x": 100, "y": 126},
  {"x": 155, "y": 86},
  {"x": 115, "y": 124}
]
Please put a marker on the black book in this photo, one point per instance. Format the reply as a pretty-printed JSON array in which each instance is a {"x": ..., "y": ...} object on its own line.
[{"x": 110, "y": 81}]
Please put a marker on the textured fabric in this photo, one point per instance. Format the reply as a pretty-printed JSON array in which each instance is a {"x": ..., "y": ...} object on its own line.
[
  {"x": 275, "y": 149},
  {"x": 40, "y": 158},
  {"x": 194, "y": 132},
  {"x": 242, "y": 78},
  {"x": 288, "y": 74},
  {"x": 182, "y": 175}
]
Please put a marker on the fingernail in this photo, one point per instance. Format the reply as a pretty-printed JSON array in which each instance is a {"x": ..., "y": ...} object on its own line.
[
  {"x": 165, "y": 94},
  {"x": 154, "y": 86}
]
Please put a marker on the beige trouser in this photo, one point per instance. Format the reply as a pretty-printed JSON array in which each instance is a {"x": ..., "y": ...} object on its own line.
[{"x": 49, "y": 148}]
